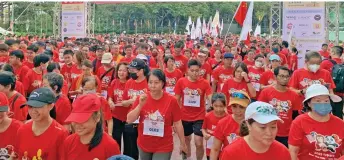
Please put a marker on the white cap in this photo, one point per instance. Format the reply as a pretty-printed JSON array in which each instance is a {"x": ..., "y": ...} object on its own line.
[
  {"x": 261, "y": 112},
  {"x": 106, "y": 58},
  {"x": 319, "y": 90},
  {"x": 142, "y": 56}
]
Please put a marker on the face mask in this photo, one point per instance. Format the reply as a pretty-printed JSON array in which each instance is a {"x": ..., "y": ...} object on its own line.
[
  {"x": 258, "y": 64},
  {"x": 322, "y": 108},
  {"x": 134, "y": 76},
  {"x": 275, "y": 50},
  {"x": 313, "y": 67}
]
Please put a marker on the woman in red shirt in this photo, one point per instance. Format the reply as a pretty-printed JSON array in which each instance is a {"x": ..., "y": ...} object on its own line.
[
  {"x": 172, "y": 74},
  {"x": 218, "y": 101},
  {"x": 317, "y": 134},
  {"x": 89, "y": 141},
  {"x": 240, "y": 81},
  {"x": 119, "y": 112},
  {"x": 217, "y": 60},
  {"x": 157, "y": 111},
  {"x": 8, "y": 128},
  {"x": 293, "y": 61},
  {"x": 227, "y": 129},
  {"x": 259, "y": 131},
  {"x": 42, "y": 137}
]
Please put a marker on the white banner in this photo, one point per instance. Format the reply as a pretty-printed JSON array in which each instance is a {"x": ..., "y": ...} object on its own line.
[
  {"x": 73, "y": 18},
  {"x": 308, "y": 20}
]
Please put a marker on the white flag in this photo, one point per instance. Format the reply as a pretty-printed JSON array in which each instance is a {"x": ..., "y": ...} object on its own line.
[
  {"x": 193, "y": 33},
  {"x": 258, "y": 30},
  {"x": 198, "y": 28},
  {"x": 204, "y": 27},
  {"x": 188, "y": 25},
  {"x": 247, "y": 23},
  {"x": 215, "y": 24}
]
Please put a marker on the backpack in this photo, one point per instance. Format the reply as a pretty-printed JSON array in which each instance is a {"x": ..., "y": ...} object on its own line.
[{"x": 338, "y": 77}]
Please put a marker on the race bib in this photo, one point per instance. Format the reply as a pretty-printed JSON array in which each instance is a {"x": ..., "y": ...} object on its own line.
[
  {"x": 210, "y": 142},
  {"x": 192, "y": 100},
  {"x": 104, "y": 94},
  {"x": 153, "y": 128},
  {"x": 170, "y": 90},
  {"x": 256, "y": 86}
]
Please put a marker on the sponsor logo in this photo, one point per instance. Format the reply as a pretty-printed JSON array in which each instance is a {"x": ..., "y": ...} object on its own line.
[
  {"x": 289, "y": 25},
  {"x": 291, "y": 17},
  {"x": 316, "y": 26},
  {"x": 317, "y": 17},
  {"x": 304, "y": 17},
  {"x": 303, "y": 25}
]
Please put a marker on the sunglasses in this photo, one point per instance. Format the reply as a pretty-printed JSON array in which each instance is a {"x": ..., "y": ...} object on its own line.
[{"x": 239, "y": 95}]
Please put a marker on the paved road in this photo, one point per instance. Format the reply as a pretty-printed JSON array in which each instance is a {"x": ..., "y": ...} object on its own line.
[{"x": 175, "y": 153}]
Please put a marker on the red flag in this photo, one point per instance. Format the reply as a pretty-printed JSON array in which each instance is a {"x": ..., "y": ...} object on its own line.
[{"x": 241, "y": 12}]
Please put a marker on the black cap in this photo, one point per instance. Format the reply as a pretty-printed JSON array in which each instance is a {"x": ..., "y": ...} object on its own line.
[
  {"x": 41, "y": 97},
  {"x": 137, "y": 63},
  {"x": 228, "y": 55}
]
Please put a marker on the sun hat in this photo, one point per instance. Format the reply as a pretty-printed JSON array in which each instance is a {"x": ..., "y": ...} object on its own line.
[
  {"x": 261, "y": 112},
  {"x": 319, "y": 90},
  {"x": 239, "y": 97}
]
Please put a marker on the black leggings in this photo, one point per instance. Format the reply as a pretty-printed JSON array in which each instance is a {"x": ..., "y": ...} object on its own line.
[
  {"x": 130, "y": 141},
  {"x": 118, "y": 130}
]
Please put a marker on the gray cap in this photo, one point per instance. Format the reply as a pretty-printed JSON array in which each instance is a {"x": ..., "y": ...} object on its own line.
[{"x": 41, "y": 97}]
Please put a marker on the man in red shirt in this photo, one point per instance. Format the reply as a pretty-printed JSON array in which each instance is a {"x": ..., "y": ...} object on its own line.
[
  {"x": 66, "y": 69},
  {"x": 3, "y": 54},
  {"x": 191, "y": 92},
  {"x": 223, "y": 73},
  {"x": 106, "y": 73},
  {"x": 336, "y": 53},
  {"x": 100, "y": 50},
  {"x": 324, "y": 51},
  {"x": 30, "y": 54},
  {"x": 206, "y": 68},
  {"x": 7, "y": 86},
  {"x": 20, "y": 70},
  {"x": 285, "y": 50},
  {"x": 128, "y": 50},
  {"x": 180, "y": 60},
  {"x": 276, "y": 50},
  {"x": 287, "y": 106}
]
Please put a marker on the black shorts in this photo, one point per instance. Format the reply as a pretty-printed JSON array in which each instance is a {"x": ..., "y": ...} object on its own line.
[{"x": 193, "y": 127}]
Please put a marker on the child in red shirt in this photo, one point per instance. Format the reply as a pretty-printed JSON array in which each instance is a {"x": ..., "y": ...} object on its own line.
[{"x": 212, "y": 118}]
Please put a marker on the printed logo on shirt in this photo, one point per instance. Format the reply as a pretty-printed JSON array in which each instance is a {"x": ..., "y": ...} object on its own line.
[
  {"x": 281, "y": 106},
  {"x": 306, "y": 82},
  {"x": 106, "y": 80},
  {"x": 178, "y": 64},
  {"x": 232, "y": 90},
  {"x": 254, "y": 77},
  {"x": 171, "y": 81},
  {"x": 73, "y": 75},
  {"x": 202, "y": 72},
  {"x": 271, "y": 81},
  {"x": 36, "y": 83},
  {"x": 231, "y": 138},
  {"x": 133, "y": 93},
  {"x": 324, "y": 143},
  {"x": 6, "y": 152},
  {"x": 192, "y": 92},
  {"x": 119, "y": 94},
  {"x": 37, "y": 157},
  {"x": 225, "y": 77}
]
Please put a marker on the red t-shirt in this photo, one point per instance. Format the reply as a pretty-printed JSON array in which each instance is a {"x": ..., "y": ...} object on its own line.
[
  {"x": 267, "y": 78},
  {"x": 63, "y": 109},
  {"x": 106, "y": 80},
  {"x": 227, "y": 130},
  {"x": 14, "y": 106},
  {"x": 205, "y": 70},
  {"x": 32, "y": 78},
  {"x": 48, "y": 145},
  {"x": 20, "y": 87},
  {"x": 214, "y": 63},
  {"x": 284, "y": 104},
  {"x": 221, "y": 75},
  {"x": 105, "y": 109},
  {"x": 293, "y": 59},
  {"x": 285, "y": 52},
  {"x": 325, "y": 54},
  {"x": 249, "y": 63},
  {"x": 127, "y": 59},
  {"x": 192, "y": 95},
  {"x": 181, "y": 63},
  {"x": 28, "y": 64},
  {"x": 210, "y": 124},
  {"x": 4, "y": 59},
  {"x": 165, "y": 110},
  {"x": 284, "y": 59},
  {"x": 132, "y": 88},
  {"x": 232, "y": 86},
  {"x": 327, "y": 64},
  {"x": 75, "y": 73},
  {"x": 8, "y": 137},
  {"x": 172, "y": 79},
  {"x": 73, "y": 149},
  {"x": 254, "y": 74},
  {"x": 66, "y": 71},
  {"x": 115, "y": 92},
  {"x": 317, "y": 140},
  {"x": 239, "y": 149},
  {"x": 21, "y": 72},
  {"x": 237, "y": 58}
]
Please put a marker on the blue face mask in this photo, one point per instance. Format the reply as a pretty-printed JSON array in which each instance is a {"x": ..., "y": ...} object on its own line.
[
  {"x": 275, "y": 50},
  {"x": 322, "y": 108}
]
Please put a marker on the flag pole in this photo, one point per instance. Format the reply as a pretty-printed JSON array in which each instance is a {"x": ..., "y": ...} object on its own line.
[{"x": 232, "y": 20}]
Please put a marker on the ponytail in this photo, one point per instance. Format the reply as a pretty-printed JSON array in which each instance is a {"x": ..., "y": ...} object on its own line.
[
  {"x": 243, "y": 127},
  {"x": 98, "y": 135}
]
